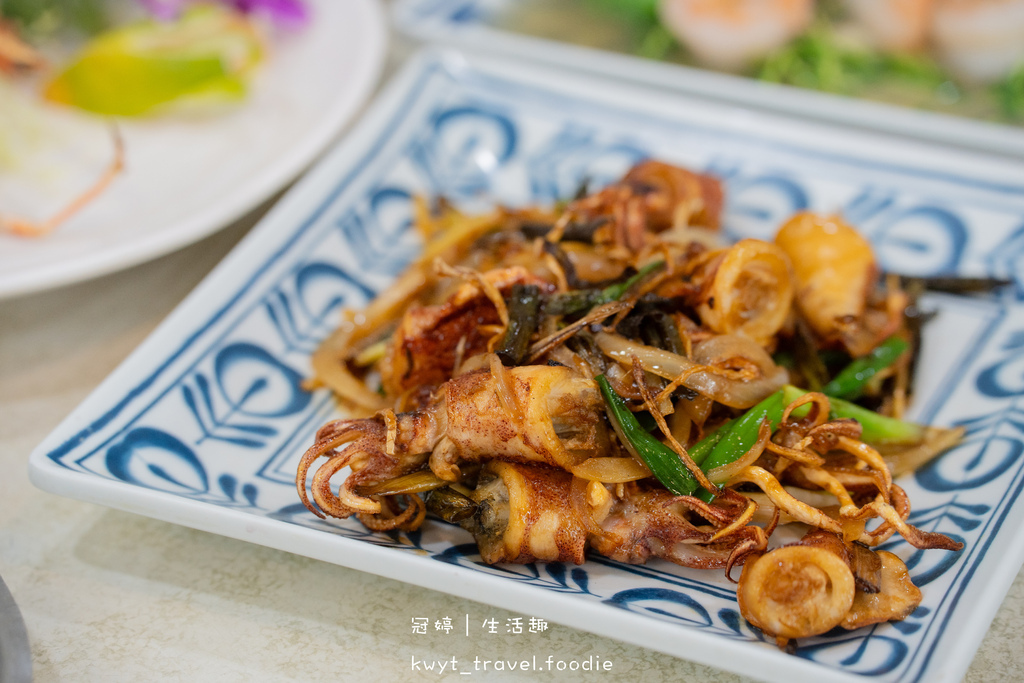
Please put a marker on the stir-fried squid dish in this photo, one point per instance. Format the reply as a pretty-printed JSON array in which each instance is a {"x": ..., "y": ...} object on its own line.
[{"x": 608, "y": 376}]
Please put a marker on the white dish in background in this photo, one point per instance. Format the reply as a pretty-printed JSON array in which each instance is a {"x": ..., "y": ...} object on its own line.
[
  {"x": 477, "y": 25},
  {"x": 185, "y": 176},
  {"x": 204, "y": 424}
]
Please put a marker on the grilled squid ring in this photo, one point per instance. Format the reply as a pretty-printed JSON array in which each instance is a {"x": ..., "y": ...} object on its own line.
[
  {"x": 796, "y": 591},
  {"x": 751, "y": 291}
]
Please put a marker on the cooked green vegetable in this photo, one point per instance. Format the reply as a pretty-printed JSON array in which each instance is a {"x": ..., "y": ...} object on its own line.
[
  {"x": 724, "y": 445},
  {"x": 877, "y": 429},
  {"x": 630, "y": 10},
  {"x": 661, "y": 460},
  {"x": 851, "y": 380},
  {"x": 582, "y": 300},
  {"x": 819, "y": 60},
  {"x": 740, "y": 435},
  {"x": 1010, "y": 93},
  {"x": 450, "y": 505}
]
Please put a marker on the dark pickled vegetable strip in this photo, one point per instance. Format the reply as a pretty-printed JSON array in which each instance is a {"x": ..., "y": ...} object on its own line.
[
  {"x": 574, "y": 232},
  {"x": 523, "y": 306},
  {"x": 851, "y": 380},
  {"x": 955, "y": 285},
  {"x": 661, "y": 460},
  {"x": 659, "y": 330},
  {"x": 568, "y": 303},
  {"x": 565, "y": 263},
  {"x": 808, "y": 361},
  {"x": 582, "y": 300},
  {"x": 450, "y": 505}
]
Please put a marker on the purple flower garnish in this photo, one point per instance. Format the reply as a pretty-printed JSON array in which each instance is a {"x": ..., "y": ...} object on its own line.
[
  {"x": 286, "y": 13},
  {"x": 165, "y": 10}
]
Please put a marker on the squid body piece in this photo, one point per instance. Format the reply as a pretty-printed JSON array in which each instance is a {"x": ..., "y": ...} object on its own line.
[
  {"x": 751, "y": 292},
  {"x": 534, "y": 414},
  {"x": 524, "y": 515},
  {"x": 835, "y": 271},
  {"x": 821, "y": 582}
]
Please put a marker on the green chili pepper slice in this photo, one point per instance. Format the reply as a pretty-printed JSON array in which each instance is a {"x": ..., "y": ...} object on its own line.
[
  {"x": 739, "y": 436},
  {"x": 661, "y": 460}
]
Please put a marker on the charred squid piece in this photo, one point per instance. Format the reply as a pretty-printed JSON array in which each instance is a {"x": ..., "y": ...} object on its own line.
[
  {"x": 895, "y": 599},
  {"x": 426, "y": 346},
  {"x": 532, "y": 414},
  {"x": 523, "y": 515},
  {"x": 836, "y": 272},
  {"x": 651, "y": 198},
  {"x": 653, "y": 522}
]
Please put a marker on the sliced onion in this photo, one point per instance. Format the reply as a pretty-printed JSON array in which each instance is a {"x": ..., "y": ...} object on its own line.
[
  {"x": 611, "y": 470},
  {"x": 414, "y": 482},
  {"x": 330, "y": 369},
  {"x": 735, "y": 393},
  {"x": 903, "y": 460}
]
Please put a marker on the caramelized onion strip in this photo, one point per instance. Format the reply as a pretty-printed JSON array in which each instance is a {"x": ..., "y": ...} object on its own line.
[
  {"x": 751, "y": 291},
  {"x": 693, "y": 467},
  {"x": 801, "y": 512},
  {"x": 611, "y": 470},
  {"x": 709, "y": 380}
]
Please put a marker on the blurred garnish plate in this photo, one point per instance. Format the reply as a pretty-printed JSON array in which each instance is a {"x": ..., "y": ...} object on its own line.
[{"x": 185, "y": 175}]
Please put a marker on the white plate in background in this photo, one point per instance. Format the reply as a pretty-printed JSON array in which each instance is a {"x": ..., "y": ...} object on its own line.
[
  {"x": 478, "y": 25},
  {"x": 185, "y": 176}
]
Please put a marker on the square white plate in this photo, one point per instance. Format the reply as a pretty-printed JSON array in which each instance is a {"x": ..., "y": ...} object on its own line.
[{"x": 203, "y": 425}]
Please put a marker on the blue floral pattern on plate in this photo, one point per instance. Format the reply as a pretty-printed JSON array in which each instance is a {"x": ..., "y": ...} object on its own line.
[{"x": 205, "y": 423}]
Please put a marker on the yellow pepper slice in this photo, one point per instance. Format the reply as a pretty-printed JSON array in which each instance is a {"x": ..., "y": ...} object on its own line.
[{"x": 136, "y": 69}]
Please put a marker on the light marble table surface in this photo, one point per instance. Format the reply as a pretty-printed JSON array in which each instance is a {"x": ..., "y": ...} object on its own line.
[{"x": 111, "y": 596}]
